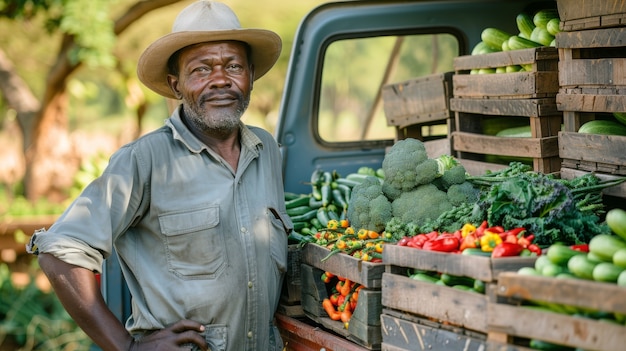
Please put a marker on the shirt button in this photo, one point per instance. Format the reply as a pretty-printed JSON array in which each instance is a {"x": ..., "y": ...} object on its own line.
[
  {"x": 249, "y": 335},
  {"x": 243, "y": 229},
  {"x": 249, "y": 284}
]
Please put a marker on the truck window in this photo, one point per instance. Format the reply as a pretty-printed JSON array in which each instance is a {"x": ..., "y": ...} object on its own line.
[{"x": 355, "y": 70}]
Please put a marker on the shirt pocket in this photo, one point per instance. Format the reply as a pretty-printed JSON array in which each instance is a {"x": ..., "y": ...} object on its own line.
[
  {"x": 280, "y": 226},
  {"x": 194, "y": 244}
]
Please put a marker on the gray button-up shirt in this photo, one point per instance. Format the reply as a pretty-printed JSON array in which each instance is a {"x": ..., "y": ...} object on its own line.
[{"x": 195, "y": 239}]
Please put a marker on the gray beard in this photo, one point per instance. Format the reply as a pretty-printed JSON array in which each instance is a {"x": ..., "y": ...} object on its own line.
[{"x": 223, "y": 121}]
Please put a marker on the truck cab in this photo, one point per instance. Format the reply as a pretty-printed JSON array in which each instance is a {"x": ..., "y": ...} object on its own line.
[{"x": 332, "y": 114}]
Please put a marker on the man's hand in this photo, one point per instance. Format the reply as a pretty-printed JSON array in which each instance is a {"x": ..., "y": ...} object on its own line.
[{"x": 173, "y": 337}]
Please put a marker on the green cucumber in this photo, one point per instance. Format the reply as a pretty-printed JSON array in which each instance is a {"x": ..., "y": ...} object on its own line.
[
  {"x": 604, "y": 246},
  {"x": 525, "y": 24},
  {"x": 476, "y": 252},
  {"x": 304, "y": 217},
  {"x": 423, "y": 277},
  {"x": 515, "y": 132},
  {"x": 581, "y": 266},
  {"x": 621, "y": 280},
  {"x": 619, "y": 258},
  {"x": 528, "y": 271},
  {"x": 605, "y": 127},
  {"x": 482, "y": 48},
  {"x": 542, "y": 17},
  {"x": 541, "y": 262},
  {"x": 559, "y": 254},
  {"x": 616, "y": 220},
  {"x": 494, "y": 37},
  {"x": 548, "y": 346},
  {"x": 297, "y": 211},
  {"x": 620, "y": 117},
  {"x": 552, "y": 269},
  {"x": 519, "y": 43},
  {"x": 606, "y": 272},
  {"x": 451, "y": 280},
  {"x": 540, "y": 35},
  {"x": 553, "y": 26}
]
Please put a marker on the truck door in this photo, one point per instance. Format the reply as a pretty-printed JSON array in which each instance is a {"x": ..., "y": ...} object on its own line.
[{"x": 331, "y": 114}]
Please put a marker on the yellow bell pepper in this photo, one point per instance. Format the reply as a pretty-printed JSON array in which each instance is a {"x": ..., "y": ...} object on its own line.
[{"x": 489, "y": 240}]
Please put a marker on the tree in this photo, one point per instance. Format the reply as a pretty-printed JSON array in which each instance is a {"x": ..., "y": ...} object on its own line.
[{"x": 87, "y": 38}]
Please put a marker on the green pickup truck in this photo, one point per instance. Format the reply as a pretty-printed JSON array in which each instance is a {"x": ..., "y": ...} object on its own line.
[{"x": 332, "y": 115}]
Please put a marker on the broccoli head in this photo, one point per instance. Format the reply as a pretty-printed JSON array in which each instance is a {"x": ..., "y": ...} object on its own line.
[
  {"x": 465, "y": 192},
  {"x": 450, "y": 171},
  {"x": 400, "y": 163},
  {"x": 421, "y": 205},
  {"x": 369, "y": 208}
]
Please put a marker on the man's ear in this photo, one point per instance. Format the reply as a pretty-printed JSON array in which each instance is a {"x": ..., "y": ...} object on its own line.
[{"x": 172, "y": 81}]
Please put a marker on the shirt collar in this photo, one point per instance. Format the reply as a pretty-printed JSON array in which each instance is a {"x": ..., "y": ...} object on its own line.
[{"x": 180, "y": 132}]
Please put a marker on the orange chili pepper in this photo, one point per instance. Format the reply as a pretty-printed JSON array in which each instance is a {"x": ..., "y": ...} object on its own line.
[{"x": 330, "y": 310}]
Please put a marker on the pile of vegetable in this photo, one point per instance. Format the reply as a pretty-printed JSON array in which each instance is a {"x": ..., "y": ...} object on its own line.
[
  {"x": 535, "y": 30},
  {"x": 343, "y": 297},
  {"x": 616, "y": 125},
  {"x": 603, "y": 259}
]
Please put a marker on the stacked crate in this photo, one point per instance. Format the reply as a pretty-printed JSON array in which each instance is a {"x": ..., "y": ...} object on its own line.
[
  {"x": 292, "y": 286},
  {"x": 592, "y": 79},
  {"x": 524, "y": 96},
  {"x": 421, "y": 315},
  {"x": 512, "y": 323},
  {"x": 419, "y": 108},
  {"x": 364, "y": 326}
]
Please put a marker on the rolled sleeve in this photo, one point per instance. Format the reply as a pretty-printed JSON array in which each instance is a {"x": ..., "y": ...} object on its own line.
[{"x": 67, "y": 250}]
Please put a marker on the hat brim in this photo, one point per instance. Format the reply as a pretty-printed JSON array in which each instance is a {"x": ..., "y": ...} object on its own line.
[{"x": 152, "y": 69}]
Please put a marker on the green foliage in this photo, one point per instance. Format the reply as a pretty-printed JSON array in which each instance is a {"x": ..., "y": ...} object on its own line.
[{"x": 35, "y": 319}]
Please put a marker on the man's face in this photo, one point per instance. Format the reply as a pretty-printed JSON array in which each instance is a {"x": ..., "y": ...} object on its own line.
[{"x": 214, "y": 83}]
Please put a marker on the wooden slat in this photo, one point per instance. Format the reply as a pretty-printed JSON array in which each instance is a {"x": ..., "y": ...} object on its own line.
[
  {"x": 505, "y": 58},
  {"x": 494, "y": 145},
  {"x": 592, "y": 72},
  {"x": 593, "y": 38},
  {"x": 556, "y": 328},
  {"x": 365, "y": 273},
  {"x": 576, "y": 9},
  {"x": 506, "y": 107},
  {"x": 574, "y": 292},
  {"x": 513, "y": 85},
  {"x": 591, "y": 102},
  {"x": 593, "y": 147},
  {"x": 442, "y": 303},
  {"x": 477, "y": 267},
  {"x": 618, "y": 190}
]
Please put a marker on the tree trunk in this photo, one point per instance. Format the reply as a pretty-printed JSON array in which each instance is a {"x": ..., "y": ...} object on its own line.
[{"x": 50, "y": 159}]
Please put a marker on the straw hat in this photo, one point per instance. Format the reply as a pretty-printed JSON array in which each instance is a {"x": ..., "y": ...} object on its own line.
[{"x": 199, "y": 22}]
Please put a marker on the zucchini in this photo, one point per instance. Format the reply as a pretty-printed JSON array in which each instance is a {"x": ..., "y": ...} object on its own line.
[
  {"x": 297, "y": 211},
  {"x": 606, "y": 272},
  {"x": 452, "y": 280},
  {"x": 604, "y": 246},
  {"x": 604, "y": 127},
  {"x": 553, "y": 26},
  {"x": 616, "y": 220},
  {"x": 423, "y": 277},
  {"x": 302, "y": 200},
  {"x": 494, "y": 37},
  {"x": 542, "y": 17},
  {"x": 519, "y": 43},
  {"x": 581, "y": 266},
  {"x": 524, "y": 24},
  {"x": 305, "y": 217},
  {"x": 559, "y": 254}
]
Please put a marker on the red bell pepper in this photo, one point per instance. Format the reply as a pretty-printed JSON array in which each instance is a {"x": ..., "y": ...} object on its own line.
[
  {"x": 580, "y": 247},
  {"x": 481, "y": 229},
  {"x": 444, "y": 243},
  {"x": 534, "y": 248},
  {"x": 506, "y": 249}
]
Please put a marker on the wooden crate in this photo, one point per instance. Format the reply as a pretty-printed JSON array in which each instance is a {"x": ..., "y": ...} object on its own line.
[
  {"x": 438, "y": 303},
  {"x": 402, "y": 332},
  {"x": 527, "y": 96},
  {"x": 578, "y": 15},
  {"x": 418, "y": 101},
  {"x": 592, "y": 86},
  {"x": 510, "y": 320},
  {"x": 291, "y": 293},
  {"x": 364, "y": 326},
  {"x": 368, "y": 274}
]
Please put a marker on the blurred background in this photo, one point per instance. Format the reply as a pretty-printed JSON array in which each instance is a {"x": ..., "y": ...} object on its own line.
[{"x": 69, "y": 97}]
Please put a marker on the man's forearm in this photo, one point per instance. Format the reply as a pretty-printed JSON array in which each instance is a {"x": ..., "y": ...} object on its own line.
[{"x": 80, "y": 294}]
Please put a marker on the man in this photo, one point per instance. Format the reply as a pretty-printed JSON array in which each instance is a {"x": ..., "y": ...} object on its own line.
[{"x": 195, "y": 210}]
